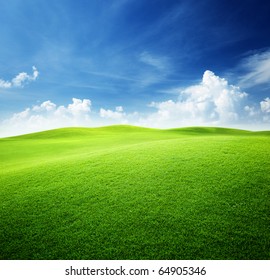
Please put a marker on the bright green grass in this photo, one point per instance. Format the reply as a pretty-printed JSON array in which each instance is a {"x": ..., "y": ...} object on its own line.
[{"x": 124, "y": 192}]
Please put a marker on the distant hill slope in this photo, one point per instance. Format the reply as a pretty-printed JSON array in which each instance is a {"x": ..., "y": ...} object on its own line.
[{"x": 75, "y": 132}]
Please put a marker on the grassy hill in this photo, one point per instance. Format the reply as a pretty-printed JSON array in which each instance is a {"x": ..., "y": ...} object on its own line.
[{"x": 123, "y": 192}]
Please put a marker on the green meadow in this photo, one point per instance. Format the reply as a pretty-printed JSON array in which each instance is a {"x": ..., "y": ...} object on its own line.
[{"x": 123, "y": 192}]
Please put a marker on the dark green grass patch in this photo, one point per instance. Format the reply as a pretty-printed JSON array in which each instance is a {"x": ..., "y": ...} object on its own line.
[{"x": 132, "y": 193}]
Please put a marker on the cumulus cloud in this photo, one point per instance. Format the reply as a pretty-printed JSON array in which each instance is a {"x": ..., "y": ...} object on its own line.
[
  {"x": 265, "y": 105},
  {"x": 251, "y": 111},
  {"x": 48, "y": 115},
  {"x": 5, "y": 84},
  {"x": 257, "y": 68},
  {"x": 265, "y": 108},
  {"x": 20, "y": 80},
  {"x": 213, "y": 101},
  {"x": 109, "y": 114},
  {"x": 116, "y": 116},
  {"x": 79, "y": 107},
  {"x": 45, "y": 106}
]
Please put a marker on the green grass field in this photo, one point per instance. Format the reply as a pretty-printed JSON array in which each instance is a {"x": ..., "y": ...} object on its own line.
[{"x": 123, "y": 192}]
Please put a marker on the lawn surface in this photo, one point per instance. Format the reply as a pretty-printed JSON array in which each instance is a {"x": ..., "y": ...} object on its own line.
[{"x": 125, "y": 192}]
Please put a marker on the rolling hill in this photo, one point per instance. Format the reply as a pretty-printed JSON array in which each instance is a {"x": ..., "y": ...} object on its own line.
[{"x": 124, "y": 192}]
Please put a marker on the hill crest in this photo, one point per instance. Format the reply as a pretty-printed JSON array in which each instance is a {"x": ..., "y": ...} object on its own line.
[{"x": 115, "y": 129}]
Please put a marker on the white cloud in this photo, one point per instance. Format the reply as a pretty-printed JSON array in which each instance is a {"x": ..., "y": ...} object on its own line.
[
  {"x": 265, "y": 108},
  {"x": 20, "y": 80},
  {"x": 212, "y": 102},
  {"x": 251, "y": 110},
  {"x": 119, "y": 109},
  {"x": 5, "y": 84},
  {"x": 118, "y": 114},
  {"x": 265, "y": 105},
  {"x": 79, "y": 107},
  {"x": 257, "y": 68},
  {"x": 45, "y": 106},
  {"x": 48, "y": 115}
]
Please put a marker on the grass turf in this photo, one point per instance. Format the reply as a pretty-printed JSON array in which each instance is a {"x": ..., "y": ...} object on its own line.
[{"x": 124, "y": 192}]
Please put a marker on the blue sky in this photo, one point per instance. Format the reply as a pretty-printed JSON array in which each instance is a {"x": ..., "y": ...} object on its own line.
[{"x": 158, "y": 63}]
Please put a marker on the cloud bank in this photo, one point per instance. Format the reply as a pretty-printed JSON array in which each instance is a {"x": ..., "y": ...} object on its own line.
[
  {"x": 20, "y": 80},
  {"x": 212, "y": 102},
  {"x": 48, "y": 115},
  {"x": 118, "y": 114}
]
